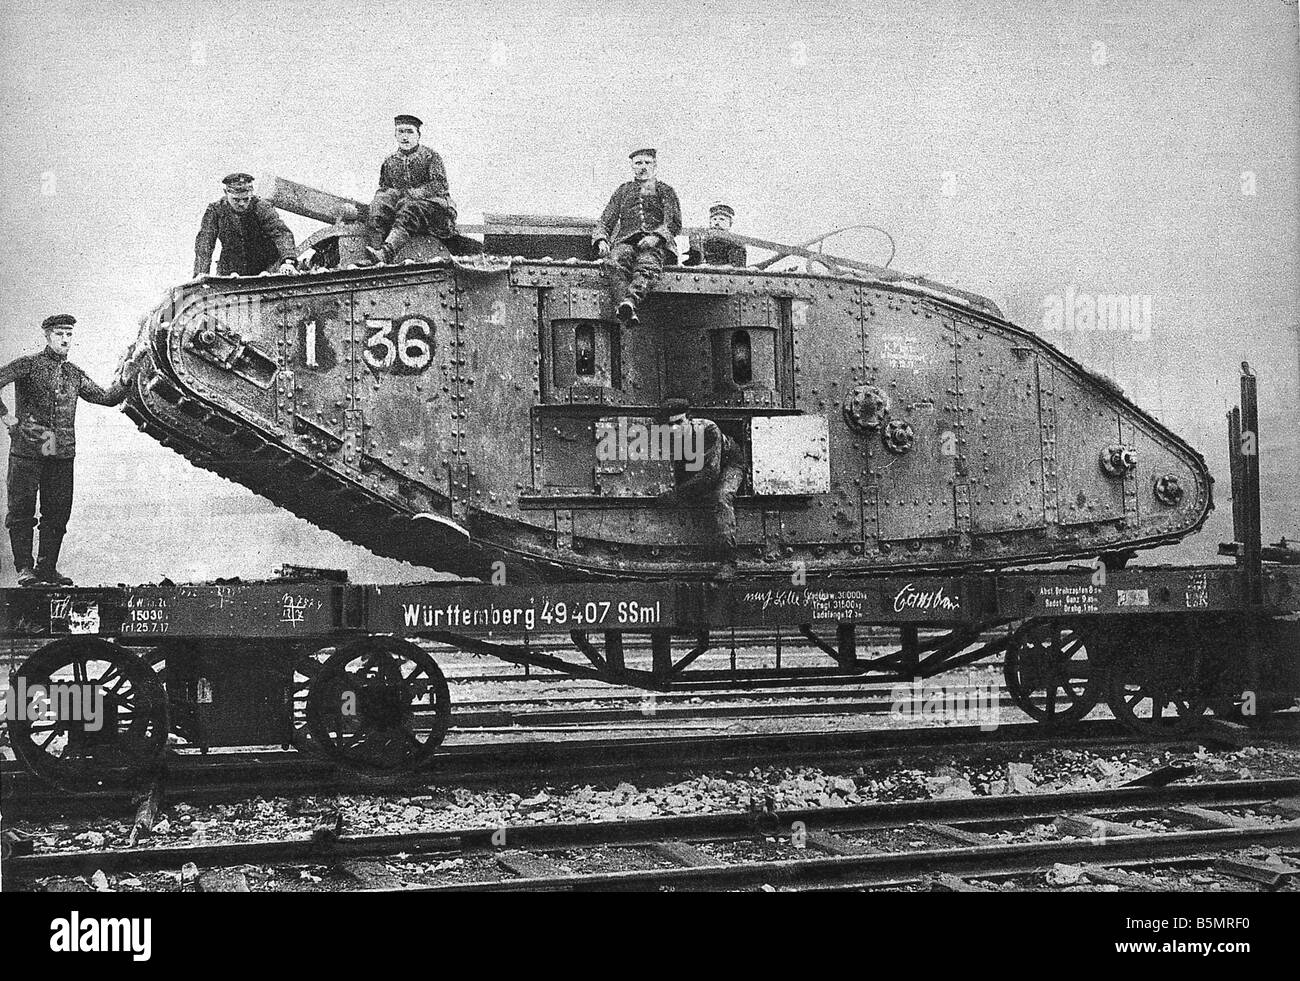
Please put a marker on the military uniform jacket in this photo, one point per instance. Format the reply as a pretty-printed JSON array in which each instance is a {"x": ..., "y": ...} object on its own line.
[
  {"x": 640, "y": 208},
  {"x": 718, "y": 451},
  {"x": 47, "y": 387},
  {"x": 420, "y": 170},
  {"x": 254, "y": 242},
  {"x": 716, "y": 249}
]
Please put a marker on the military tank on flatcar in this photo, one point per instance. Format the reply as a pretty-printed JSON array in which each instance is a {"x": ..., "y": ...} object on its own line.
[{"x": 458, "y": 410}]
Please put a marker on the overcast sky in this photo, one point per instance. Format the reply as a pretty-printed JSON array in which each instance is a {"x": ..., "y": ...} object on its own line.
[{"x": 1019, "y": 150}]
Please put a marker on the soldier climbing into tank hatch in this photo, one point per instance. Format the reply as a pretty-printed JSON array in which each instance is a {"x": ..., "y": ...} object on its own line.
[
  {"x": 253, "y": 237},
  {"x": 709, "y": 469},
  {"x": 43, "y": 443},
  {"x": 715, "y": 246},
  {"x": 642, "y": 220},
  {"x": 413, "y": 197}
]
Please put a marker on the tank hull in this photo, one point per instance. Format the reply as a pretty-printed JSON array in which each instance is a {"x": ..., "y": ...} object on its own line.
[{"x": 462, "y": 413}]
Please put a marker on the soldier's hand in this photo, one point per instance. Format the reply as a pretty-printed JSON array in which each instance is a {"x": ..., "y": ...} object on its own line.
[
  {"x": 648, "y": 241},
  {"x": 602, "y": 247},
  {"x": 129, "y": 367},
  {"x": 31, "y": 431},
  {"x": 288, "y": 266},
  {"x": 9, "y": 423}
]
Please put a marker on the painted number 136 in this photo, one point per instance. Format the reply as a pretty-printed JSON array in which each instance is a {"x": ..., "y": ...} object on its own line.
[{"x": 410, "y": 348}]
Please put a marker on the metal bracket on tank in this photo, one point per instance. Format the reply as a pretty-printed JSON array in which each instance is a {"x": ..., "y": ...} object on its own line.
[
  {"x": 233, "y": 353},
  {"x": 1118, "y": 460}
]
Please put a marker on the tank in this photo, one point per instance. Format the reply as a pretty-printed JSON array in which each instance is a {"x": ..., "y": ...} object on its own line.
[{"x": 460, "y": 410}]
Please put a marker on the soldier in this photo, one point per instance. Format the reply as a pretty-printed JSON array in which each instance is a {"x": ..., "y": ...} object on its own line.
[
  {"x": 716, "y": 247},
  {"x": 413, "y": 196},
  {"x": 253, "y": 237},
  {"x": 709, "y": 470},
  {"x": 643, "y": 219},
  {"x": 42, "y": 444}
]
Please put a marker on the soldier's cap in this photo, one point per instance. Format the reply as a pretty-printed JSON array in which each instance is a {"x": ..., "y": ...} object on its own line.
[
  {"x": 672, "y": 407},
  {"x": 238, "y": 182},
  {"x": 648, "y": 151},
  {"x": 405, "y": 120},
  {"x": 718, "y": 208},
  {"x": 58, "y": 320}
]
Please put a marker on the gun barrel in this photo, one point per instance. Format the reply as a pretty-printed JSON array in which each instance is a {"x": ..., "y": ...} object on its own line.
[{"x": 299, "y": 199}]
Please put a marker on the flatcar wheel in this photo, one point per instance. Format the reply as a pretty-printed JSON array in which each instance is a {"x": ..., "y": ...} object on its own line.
[
  {"x": 379, "y": 704},
  {"x": 92, "y": 711},
  {"x": 1155, "y": 695},
  {"x": 1049, "y": 673},
  {"x": 306, "y": 668}
]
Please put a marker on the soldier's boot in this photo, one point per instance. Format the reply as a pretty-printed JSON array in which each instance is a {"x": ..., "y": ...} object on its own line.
[
  {"x": 646, "y": 269},
  {"x": 629, "y": 299},
  {"x": 722, "y": 549},
  {"x": 48, "y": 560},
  {"x": 373, "y": 244},
  {"x": 395, "y": 242},
  {"x": 20, "y": 540},
  {"x": 724, "y": 553}
]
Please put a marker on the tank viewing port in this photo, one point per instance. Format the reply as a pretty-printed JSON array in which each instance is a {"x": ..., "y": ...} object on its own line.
[
  {"x": 744, "y": 358},
  {"x": 586, "y": 352}
]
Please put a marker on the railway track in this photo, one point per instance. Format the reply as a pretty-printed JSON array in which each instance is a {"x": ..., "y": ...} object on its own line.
[
  {"x": 539, "y": 713},
  {"x": 233, "y": 776},
  {"x": 950, "y": 844}
]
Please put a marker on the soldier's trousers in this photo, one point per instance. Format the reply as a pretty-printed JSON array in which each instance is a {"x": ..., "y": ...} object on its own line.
[
  {"x": 640, "y": 268},
  {"x": 722, "y": 499},
  {"x": 49, "y": 479},
  {"x": 397, "y": 215}
]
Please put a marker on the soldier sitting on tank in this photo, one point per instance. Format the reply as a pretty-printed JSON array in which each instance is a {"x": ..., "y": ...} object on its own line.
[
  {"x": 643, "y": 219},
  {"x": 413, "y": 196},
  {"x": 253, "y": 237},
  {"x": 42, "y": 445},
  {"x": 715, "y": 246},
  {"x": 708, "y": 468}
]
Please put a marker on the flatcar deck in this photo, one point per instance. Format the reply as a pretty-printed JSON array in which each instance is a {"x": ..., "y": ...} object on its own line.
[{"x": 310, "y": 610}]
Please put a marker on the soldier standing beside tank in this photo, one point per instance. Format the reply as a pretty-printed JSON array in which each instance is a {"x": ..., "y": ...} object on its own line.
[
  {"x": 716, "y": 247},
  {"x": 643, "y": 219},
  {"x": 253, "y": 237},
  {"x": 709, "y": 469},
  {"x": 43, "y": 443},
  {"x": 413, "y": 196}
]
